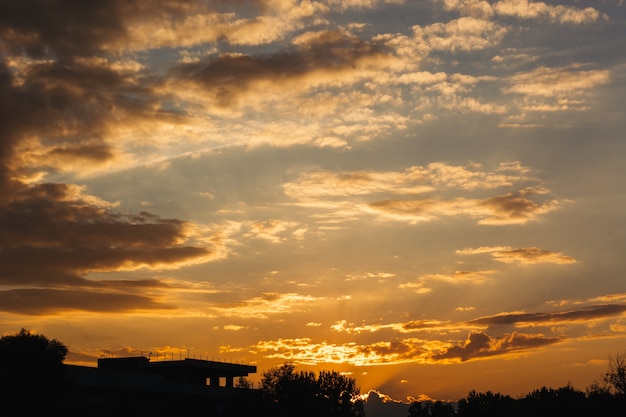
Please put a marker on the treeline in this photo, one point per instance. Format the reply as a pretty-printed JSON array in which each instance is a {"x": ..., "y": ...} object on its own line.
[
  {"x": 563, "y": 401},
  {"x": 605, "y": 397}
]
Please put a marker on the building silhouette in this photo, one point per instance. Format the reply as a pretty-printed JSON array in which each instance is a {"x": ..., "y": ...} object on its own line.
[{"x": 148, "y": 387}]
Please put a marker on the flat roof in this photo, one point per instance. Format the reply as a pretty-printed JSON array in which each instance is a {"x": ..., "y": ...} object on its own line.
[{"x": 197, "y": 366}]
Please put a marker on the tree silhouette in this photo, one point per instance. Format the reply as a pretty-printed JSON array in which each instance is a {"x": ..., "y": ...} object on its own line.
[
  {"x": 340, "y": 394},
  {"x": 487, "y": 404},
  {"x": 615, "y": 376},
  {"x": 242, "y": 382},
  {"x": 550, "y": 402},
  {"x": 31, "y": 368},
  {"x": 431, "y": 409},
  {"x": 301, "y": 393}
]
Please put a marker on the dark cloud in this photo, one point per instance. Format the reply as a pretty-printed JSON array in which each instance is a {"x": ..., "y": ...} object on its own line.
[
  {"x": 516, "y": 206},
  {"x": 420, "y": 324},
  {"x": 50, "y": 301},
  {"x": 65, "y": 109},
  {"x": 60, "y": 99},
  {"x": 584, "y": 314},
  {"x": 51, "y": 237},
  {"x": 393, "y": 351},
  {"x": 64, "y": 27},
  {"x": 61, "y": 28},
  {"x": 229, "y": 75},
  {"x": 423, "y": 207},
  {"x": 479, "y": 345},
  {"x": 395, "y": 347},
  {"x": 92, "y": 152}
]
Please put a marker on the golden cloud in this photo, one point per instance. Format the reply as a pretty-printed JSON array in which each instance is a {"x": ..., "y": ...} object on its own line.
[
  {"x": 512, "y": 208},
  {"x": 480, "y": 345},
  {"x": 531, "y": 255},
  {"x": 266, "y": 305},
  {"x": 557, "y": 81},
  {"x": 524, "y": 9}
]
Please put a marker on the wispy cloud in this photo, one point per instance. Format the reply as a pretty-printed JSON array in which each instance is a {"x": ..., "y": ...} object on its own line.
[
  {"x": 557, "y": 82},
  {"x": 516, "y": 207},
  {"x": 586, "y": 314},
  {"x": 266, "y": 305},
  {"x": 423, "y": 284},
  {"x": 530, "y": 255}
]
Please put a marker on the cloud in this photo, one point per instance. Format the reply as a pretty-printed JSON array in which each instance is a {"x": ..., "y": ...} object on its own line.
[
  {"x": 333, "y": 184},
  {"x": 463, "y": 34},
  {"x": 46, "y": 301},
  {"x": 61, "y": 27},
  {"x": 73, "y": 115},
  {"x": 53, "y": 236},
  {"x": 305, "y": 351},
  {"x": 66, "y": 110},
  {"x": 587, "y": 315},
  {"x": 513, "y": 208},
  {"x": 530, "y": 255},
  {"x": 233, "y": 327},
  {"x": 480, "y": 345},
  {"x": 582, "y": 315},
  {"x": 525, "y": 9},
  {"x": 411, "y": 350},
  {"x": 412, "y": 326},
  {"x": 610, "y": 298},
  {"x": 457, "y": 277},
  {"x": 413, "y": 180},
  {"x": 264, "y": 306},
  {"x": 556, "y": 81},
  {"x": 423, "y": 283},
  {"x": 272, "y": 230},
  {"x": 321, "y": 58},
  {"x": 378, "y": 404},
  {"x": 66, "y": 27},
  {"x": 332, "y": 190}
]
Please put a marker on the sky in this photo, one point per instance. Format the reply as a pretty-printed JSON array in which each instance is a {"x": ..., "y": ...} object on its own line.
[{"x": 428, "y": 196}]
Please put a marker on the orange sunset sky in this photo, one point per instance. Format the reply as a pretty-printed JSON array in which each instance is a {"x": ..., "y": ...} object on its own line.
[{"x": 427, "y": 195}]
